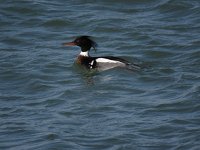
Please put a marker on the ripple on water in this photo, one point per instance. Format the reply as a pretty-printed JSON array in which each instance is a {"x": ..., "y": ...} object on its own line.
[
  {"x": 47, "y": 103},
  {"x": 57, "y": 23}
]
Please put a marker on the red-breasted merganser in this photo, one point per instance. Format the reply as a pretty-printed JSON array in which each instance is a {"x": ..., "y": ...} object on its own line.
[{"x": 99, "y": 63}]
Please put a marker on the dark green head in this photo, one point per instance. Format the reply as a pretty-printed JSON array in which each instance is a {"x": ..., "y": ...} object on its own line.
[{"x": 84, "y": 42}]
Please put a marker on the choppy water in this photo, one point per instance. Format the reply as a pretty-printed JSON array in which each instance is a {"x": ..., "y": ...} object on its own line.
[{"x": 47, "y": 103}]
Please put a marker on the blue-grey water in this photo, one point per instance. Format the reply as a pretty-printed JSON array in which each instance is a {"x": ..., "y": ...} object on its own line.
[{"x": 47, "y": 103}]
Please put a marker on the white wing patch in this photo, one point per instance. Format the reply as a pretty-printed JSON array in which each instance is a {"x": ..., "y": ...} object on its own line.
[
  {"x": 105, "y": 64},
  {"x": 104, "y": 60}
]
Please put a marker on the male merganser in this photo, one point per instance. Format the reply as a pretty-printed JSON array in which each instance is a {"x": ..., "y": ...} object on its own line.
[{"x": 99, "y": 63}]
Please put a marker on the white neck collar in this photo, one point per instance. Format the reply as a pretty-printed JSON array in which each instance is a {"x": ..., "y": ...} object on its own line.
[{"x": 84, "y": 53}]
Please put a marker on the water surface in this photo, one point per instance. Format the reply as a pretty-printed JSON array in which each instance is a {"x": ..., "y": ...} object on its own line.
[{"x": 48, "y": 103}]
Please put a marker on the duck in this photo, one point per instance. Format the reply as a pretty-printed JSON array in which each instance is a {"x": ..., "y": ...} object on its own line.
[{"x": 101, "y": 63}]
